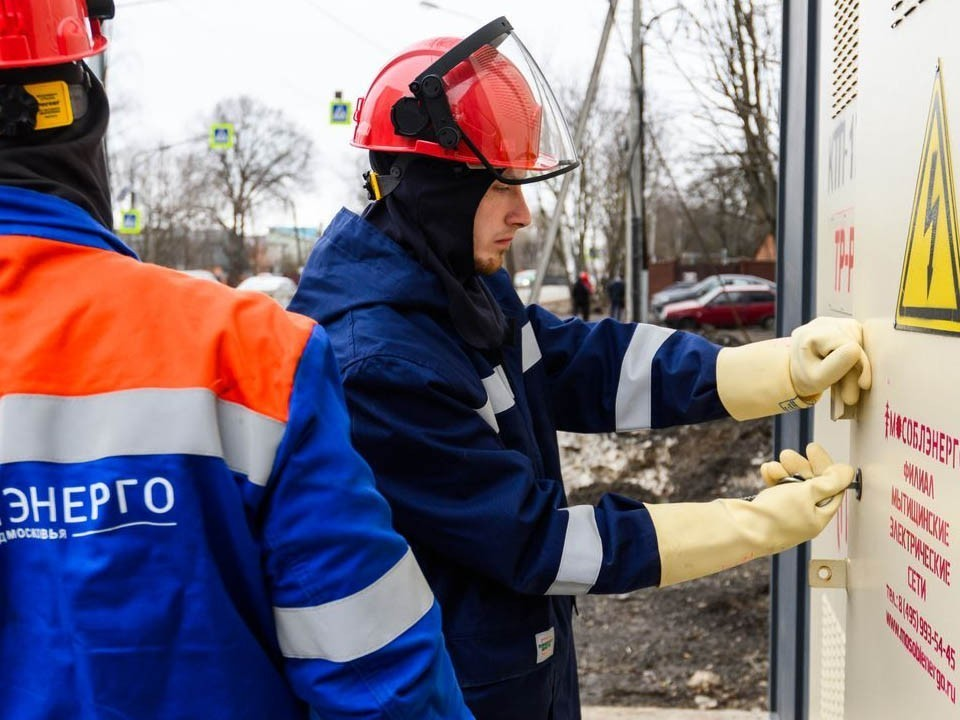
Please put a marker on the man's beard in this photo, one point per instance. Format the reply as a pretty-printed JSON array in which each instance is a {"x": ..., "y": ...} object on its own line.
[{"x": 488, "y": 266}]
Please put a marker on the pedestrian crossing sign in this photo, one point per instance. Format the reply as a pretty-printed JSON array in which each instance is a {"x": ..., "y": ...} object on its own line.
[
  {"x": 130, "y": 222},
  {"x": 222, "y": 136},
  {"x": 929, "y": 298},
  {"x": 340, "y": 112}
]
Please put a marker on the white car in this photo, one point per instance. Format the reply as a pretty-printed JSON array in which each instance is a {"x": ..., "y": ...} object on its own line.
[
  {"x": 278, "y": 287},
  {"x": 201, "y": 274},
  {"x": 524, "y": 278}
]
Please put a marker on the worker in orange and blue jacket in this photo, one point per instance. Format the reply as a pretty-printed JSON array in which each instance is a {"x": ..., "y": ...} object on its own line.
[{"x": 185, "y": 531}]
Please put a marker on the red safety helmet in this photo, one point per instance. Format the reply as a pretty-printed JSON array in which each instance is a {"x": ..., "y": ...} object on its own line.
[
  {"x": 49, "y": 32},
  {"x": 482, "y": 101}
]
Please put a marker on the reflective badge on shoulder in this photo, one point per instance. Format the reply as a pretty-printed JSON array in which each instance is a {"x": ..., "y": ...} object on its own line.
[
  {"x": 56, "y": 110},
  {"x": 545, "y": 645}
]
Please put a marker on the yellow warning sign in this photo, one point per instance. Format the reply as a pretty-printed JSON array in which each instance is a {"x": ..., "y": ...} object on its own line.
[{"x": 929, "y": 298}]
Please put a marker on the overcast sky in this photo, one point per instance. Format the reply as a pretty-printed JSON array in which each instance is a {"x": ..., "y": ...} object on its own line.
[{"x": 170, "y": 61}]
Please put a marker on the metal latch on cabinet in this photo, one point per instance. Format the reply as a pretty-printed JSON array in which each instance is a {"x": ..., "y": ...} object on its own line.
[
  {"x": 832, "y": 574},
  {"x": 839, "y": 410}
]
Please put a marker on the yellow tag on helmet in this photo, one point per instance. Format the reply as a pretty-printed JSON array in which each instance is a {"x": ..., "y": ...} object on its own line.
[{"x": 56, "y": 110}]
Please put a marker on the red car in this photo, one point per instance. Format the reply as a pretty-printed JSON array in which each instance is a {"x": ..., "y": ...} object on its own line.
[{"x": 724, "y": 307}]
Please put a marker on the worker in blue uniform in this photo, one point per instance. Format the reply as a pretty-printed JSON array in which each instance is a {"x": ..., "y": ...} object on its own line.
[
  {"x": 185, "y": 530},
  {"x": 456, "y": 390}
]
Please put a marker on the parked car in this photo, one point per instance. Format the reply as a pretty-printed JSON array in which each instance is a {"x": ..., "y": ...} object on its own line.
[
  {"x": 672, "y": 289},
  {"x": 664, "y": 297},
  {"x": 724, "y": 307},
  {"x": 525, "y": 278},
  {"x": 278, "y": 287},
  {"x": 201, "y": 274}
]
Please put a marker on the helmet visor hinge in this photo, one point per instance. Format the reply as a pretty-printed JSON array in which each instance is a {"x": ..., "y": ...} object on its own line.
[
  {"x": 434, "y": 97},
  {"x": 408, "y": 117}
]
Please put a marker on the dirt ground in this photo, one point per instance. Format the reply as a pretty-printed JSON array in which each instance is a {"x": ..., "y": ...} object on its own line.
[{"x": 700, "y": 644}]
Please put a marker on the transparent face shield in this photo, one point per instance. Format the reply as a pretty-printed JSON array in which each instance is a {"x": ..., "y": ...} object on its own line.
[{"x": 487, "y": 101}]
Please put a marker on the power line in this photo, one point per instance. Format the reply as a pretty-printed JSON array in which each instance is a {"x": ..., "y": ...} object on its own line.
[
  {"x": 279, "y": 79},
  {"x": 343, "y": 24}
]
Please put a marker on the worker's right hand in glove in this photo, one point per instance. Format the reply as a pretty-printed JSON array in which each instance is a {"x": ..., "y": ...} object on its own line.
[
  {"x": 829, "y": 351},
  {"x": 698, "y": 539}
]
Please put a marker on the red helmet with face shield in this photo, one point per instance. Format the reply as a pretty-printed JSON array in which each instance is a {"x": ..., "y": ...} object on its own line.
[
  {"x": 50, "y": 32},
  {"x": 481, "y": 101}
]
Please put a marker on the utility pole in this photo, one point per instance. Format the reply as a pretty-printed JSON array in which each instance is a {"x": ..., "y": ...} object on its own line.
[
  {"x": 638, "y": 247},
  {"x": 638, "y": 280}
]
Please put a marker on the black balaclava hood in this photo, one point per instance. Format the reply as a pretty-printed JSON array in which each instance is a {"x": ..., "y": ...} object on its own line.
[
  {"x": 431, "y": 213},
  {"x": 69, "y": 162}
]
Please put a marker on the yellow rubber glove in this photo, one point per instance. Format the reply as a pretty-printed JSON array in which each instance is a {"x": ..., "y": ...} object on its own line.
[
  {"x": 775, "y": 376},
  {"x": 793, "y": 463},
  {"x": 698, "y": 539}
]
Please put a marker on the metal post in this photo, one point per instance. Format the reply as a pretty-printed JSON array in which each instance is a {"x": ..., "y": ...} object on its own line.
[
  {"x": 638, "y": 250},
  {"x": 796, "y": 224},
  {"x": 638, "y": 246}
]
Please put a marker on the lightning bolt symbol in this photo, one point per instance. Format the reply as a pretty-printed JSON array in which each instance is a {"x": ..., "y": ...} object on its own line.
[{"x": 933, "y": 212}]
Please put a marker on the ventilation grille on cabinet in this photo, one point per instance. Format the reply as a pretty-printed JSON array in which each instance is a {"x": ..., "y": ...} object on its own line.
[
  {"x": 846, "y": 53},
  {"x": 833, "y": 664},
  {"x": 902, "y": 9}
]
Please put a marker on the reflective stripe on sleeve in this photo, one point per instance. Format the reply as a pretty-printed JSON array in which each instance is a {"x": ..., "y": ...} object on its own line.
[
  {"x": 499, "y": 397},
  {"x": 489, "y": 417},
  {"x": 633, "y": 390},
  {"x": 359, "y": 624},
  {"x": 529, "y": 347},
  {"x": 154, "y": 421},
  {"x": 582, "y": 553},
  {"x": 498, "y": 390}
]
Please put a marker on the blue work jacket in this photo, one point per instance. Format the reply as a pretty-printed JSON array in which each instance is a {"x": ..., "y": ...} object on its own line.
[{"x": 463, "y": 445}]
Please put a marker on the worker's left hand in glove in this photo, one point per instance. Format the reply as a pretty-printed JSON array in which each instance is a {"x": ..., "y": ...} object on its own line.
[
  {"x": 793, "y": 464},
  {"x": 697, "y": 539},
  {"x": 774, "y": 376}
]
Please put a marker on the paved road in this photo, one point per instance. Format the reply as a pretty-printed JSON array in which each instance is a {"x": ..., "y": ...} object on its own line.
[{"x": 619, "y": 713}]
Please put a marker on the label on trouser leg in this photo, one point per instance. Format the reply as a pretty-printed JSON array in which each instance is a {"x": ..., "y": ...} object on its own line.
[{"x": 545, "y": 645}]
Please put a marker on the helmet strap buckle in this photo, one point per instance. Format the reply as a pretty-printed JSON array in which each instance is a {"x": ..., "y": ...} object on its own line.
[
  {"x": 372, "y": 185},
  {"x": 378, "y": 185}
]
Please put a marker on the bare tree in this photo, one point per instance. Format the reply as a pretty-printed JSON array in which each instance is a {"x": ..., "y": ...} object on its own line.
[
  {"x": 163, "y": 183},
  {"x": 610, "y": 167},
  {"x": 744, "y": 74},
  {"x": 593, "y": 224},
  {"x": 270, "y": 157},
  {"x": 736, "y": 161}
]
